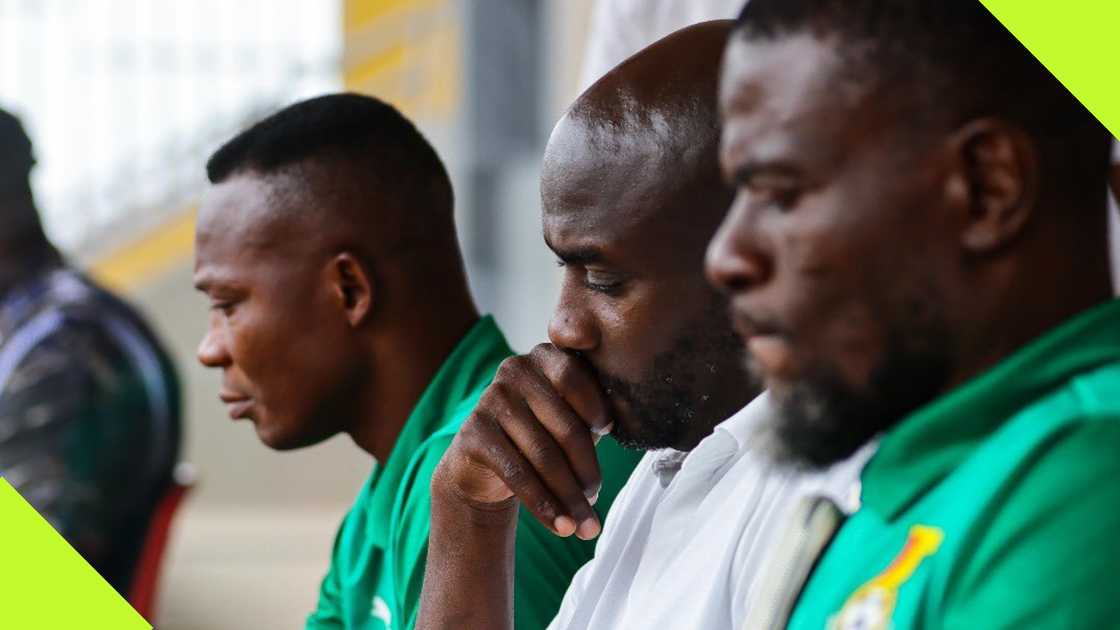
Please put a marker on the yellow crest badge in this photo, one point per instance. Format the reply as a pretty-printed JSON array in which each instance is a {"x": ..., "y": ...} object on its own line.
[{"x": 871, "y": 606}]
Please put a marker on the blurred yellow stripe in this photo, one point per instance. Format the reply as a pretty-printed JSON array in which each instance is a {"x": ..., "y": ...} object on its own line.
[
  {"x": 137, "y": 263},
  {"x": 358, "y": 14},
  {"x": 391, "y": 59}
]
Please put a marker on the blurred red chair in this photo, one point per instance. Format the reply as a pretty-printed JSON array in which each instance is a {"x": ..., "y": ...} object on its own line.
[{"x": 145, "y": 580}]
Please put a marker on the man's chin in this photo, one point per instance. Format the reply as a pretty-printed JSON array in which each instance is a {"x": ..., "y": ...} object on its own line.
[
  {"x": 806, "y": 432},
  {"x": 278, "y": 439}
]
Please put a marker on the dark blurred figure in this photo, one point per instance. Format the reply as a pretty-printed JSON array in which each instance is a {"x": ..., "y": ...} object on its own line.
[{"x": 89, "y": 400}]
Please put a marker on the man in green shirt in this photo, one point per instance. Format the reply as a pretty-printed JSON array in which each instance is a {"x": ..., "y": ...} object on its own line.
[
  {"x": 917, "y": 250},
  {"x": 328, "y": 250}
]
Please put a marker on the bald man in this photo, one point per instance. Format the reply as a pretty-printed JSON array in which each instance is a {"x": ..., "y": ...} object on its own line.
[
  {"x": 340, "y": 305},
  {"x": 641, "y": 348}
]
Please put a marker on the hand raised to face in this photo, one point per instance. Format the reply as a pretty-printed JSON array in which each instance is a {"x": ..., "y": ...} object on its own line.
[{"x": 532, "y": 436}]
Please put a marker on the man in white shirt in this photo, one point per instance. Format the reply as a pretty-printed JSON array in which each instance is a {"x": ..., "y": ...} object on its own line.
[
  {"x": 685, "y": 539},
  {"x": 693, "y": 533}
]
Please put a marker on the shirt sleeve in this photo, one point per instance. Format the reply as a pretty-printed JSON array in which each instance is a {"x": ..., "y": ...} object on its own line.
[
  {"x": 1048, "y": 556},
  {"x": 411, "y": 523},
  {"x": 545, "y": 563},
  {"x": 328, "y": 612},
  {"x": 75, "y": 429}
]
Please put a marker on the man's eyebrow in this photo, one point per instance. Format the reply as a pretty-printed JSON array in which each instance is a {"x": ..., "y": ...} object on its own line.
[
  {"x": 580, "y": 256},
  {"x": 751, "y": 169}
]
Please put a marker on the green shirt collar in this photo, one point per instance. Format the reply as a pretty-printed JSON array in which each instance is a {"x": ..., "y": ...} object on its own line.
[
  {"x": 467, "y": 370},
  {"x": 927, "y": 445}
]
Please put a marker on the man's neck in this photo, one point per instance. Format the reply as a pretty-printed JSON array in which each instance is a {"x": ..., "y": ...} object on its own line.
[
  {"x": 1038, "y": 302},
  {"x": 417, "y": 350}
]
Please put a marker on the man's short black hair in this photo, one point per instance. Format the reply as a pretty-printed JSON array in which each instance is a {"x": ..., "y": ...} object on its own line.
[
  {"x": 956, "y": 60},
  {"x": 16, "y": 155},
  {"x": 348, "y": 128}
]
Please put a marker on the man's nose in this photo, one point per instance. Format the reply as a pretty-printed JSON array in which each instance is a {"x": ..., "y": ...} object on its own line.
[
  {"x": 572, "y": 328},
  {"x": 212, "y": 350},
  {"x": 735, "y": 260}
]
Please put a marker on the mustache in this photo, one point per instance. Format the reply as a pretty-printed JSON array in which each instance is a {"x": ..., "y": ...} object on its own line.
[{"x": 751, "y": 324}]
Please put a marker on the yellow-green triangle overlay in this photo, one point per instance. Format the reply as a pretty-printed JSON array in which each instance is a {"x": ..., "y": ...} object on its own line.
[
  {"x": 45, "y": 584},
  {"x": 1078, "y": 41}
]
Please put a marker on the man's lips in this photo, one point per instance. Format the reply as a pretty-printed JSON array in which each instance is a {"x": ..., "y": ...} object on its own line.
[
  {"x": 768, "y": 345},
  {"x": 237, "y": 404}
]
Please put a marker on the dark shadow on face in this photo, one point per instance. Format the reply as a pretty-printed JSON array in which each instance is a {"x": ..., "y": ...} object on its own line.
[{"x": 833, "y": 253}]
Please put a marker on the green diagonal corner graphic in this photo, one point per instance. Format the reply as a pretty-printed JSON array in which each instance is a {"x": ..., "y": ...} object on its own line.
[
  {"x": 45, "y": 584},
  {"x": 1075, "y": 40}
]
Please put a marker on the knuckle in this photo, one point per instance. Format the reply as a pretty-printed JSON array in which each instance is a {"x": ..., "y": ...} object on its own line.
[
  {"x": 511, "y": 369},
  {"x": 541, "y": 351},
  {"x": 541, "y": 505},
  {"x": 544, "y": 457},
  {"x": 494, "y": 401},
  {"x": 513, "y": 473},
  {"x": 567, "y": 435},
  {"x": 568, "y": 377}
]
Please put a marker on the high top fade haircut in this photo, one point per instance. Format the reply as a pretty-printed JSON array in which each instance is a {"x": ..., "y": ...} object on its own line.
[
  {"x": 356, "y": 141},
  {"x": 955, "y": 62}
]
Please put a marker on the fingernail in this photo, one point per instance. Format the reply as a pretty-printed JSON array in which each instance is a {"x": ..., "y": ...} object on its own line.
[
  {"x": 604, "y": 429},
  {"x": 588, "y": 529},
  {"x": 564, "y": 526},
  {"x": 592, "y": 494}
]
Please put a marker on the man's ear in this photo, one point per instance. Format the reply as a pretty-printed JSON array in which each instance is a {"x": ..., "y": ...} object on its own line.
[
  {"x": 351, "y": 287},
  {"x": 994, "y": 183}
]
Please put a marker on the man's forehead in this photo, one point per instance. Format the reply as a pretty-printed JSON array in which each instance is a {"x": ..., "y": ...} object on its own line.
[
  {"x": 596, "y": 175},
  {"x": 249, "y": 210},
  {"x": 782, "y": 91},
  {"x": 787, "y": 74}
]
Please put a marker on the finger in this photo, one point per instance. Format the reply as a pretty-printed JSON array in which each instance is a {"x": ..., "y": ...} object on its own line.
[
  {"x": 574, "y": 379},
  {"x": 496, "y": 452},
  {"x": 569, "y": 431},
  {"x": 550, "y": 464}
]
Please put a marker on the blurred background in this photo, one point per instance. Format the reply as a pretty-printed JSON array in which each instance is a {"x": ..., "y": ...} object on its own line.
[{"x": 125, "y": 99}]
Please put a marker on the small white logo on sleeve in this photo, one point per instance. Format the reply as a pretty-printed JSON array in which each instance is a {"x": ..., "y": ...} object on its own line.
[{"x": 381, "y": 611}]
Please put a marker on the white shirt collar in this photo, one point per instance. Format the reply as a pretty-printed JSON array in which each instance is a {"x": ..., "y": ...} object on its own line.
[{"x": 716, "y": 448}]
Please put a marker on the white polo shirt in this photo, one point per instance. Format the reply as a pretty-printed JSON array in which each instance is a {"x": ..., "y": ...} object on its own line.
[{"x": 685, "y": 539}]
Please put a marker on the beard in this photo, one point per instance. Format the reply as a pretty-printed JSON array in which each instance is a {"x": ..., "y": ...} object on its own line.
[
  {"x": 821, "y": 419},
  {"x": 679, "y": 399}
]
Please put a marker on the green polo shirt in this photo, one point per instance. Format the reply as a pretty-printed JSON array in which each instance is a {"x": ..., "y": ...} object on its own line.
[
  {"x": 995, "y": 506},
  {"x": 377, "y": 566}
]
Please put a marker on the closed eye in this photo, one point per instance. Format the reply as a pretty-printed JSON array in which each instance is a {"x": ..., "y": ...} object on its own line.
[
  {"x": 603, "y": 282},
  {"x": 224, "y": 307}
]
